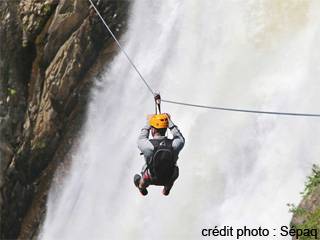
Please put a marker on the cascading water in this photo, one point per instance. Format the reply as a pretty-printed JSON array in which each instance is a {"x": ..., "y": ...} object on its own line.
[{"x": 237, "y": 169}]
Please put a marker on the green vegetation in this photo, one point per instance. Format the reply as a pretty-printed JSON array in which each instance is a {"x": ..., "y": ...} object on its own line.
[
  {"x": 12, "y": 91},
  {"x": 312, "y": 222},
  {"x": 47, "y": 8},
  {"x": 294, "y": 209},
  {"x": 10, "y": 73},
  {"x": 313, "y": 180},
  {"x": 17, "y": 147},
  {"x": 312, "y": 218},
  {"x": 40, "y": 20},
  {"x": 42, "y": 144}
]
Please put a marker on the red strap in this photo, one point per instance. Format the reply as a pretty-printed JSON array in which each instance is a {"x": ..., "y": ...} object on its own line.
[{"x": 146, "y": 176}]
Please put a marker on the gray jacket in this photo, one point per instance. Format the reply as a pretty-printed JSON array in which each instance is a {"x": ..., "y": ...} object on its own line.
[{"x": 147, "y": 148}]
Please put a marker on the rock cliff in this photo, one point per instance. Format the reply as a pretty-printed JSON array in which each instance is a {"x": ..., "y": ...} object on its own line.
[
  {"x": 50, "y": 52},
  {"x": 307, "y": 215}
]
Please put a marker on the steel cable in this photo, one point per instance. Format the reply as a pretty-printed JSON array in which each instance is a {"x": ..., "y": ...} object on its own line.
[{"x": 195, "y": 105}]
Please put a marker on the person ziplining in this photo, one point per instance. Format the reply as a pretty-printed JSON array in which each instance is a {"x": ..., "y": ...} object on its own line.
[{"x": 160, "y": 154}]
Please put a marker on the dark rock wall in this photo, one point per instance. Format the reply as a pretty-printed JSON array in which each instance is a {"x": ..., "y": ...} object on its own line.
[{"x": 50, "y": 51}]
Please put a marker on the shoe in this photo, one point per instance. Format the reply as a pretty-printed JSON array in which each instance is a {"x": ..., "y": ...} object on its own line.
[
  {"x": 165, "y": 191},
  {"x": 136, "y": 181}
]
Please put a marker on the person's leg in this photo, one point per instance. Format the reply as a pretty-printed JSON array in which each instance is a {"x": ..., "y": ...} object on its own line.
[
  {"x": 143, "y": 183},
  {"x": 166, "y": 189},
  {"x": 137, "y": 182}
]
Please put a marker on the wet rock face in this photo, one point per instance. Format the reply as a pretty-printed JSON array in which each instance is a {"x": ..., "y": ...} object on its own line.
[
  {"x": 50, "y": 51},
  {"x": 308, "y": 205},
  {"x": 307, "y": 215}
]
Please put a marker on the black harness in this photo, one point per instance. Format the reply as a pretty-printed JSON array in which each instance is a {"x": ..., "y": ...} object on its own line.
[{"x": 162, "y": 164}]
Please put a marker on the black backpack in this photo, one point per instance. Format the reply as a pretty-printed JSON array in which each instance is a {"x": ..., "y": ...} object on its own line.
[{"x": 162, "y": 164}]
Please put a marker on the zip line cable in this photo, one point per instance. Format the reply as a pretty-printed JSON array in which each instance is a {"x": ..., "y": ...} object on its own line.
[
  {"x": 242, "y": 110},
  {"x": 122, "y": 48},
  {"x": 194, "y": 105}
]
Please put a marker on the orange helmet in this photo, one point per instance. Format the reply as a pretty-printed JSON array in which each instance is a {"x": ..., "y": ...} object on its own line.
[{"x": 159, "y": 121}]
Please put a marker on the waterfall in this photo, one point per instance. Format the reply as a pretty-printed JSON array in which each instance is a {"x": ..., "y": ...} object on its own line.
[{"x": 236, "y": 169}]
